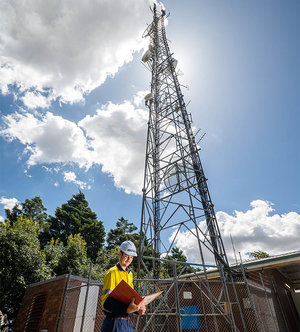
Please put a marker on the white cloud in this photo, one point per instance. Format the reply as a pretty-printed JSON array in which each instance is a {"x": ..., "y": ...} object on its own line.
[
  {"x": 67, "y": 48},
  {"x": 71, "y": 177},
  {"x": 8, "y": 203},
  {"x": 115, "y": 138},
  {"x": 259, "y": 228},
  {"x": 48, "y": 139},
  {"x": 139, "y": 98},
  {"x": 1, "y": 219},
  {"x": 50, "y": 169},
  {"x": 34, "y": 100},
  {"x": 118, "y": 138}
]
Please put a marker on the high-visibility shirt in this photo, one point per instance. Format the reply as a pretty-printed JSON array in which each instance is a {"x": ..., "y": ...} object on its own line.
[{"x": 112, "y": 278}]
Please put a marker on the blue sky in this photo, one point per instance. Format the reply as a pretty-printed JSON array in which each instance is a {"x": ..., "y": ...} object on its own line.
[{"x": 72, "y": 114}]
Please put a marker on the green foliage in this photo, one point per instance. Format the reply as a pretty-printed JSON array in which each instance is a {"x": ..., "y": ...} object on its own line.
[
  {"x": 94, "y": 234},
  {"x": 147, "y": 251},
  {"x": 73, "y": 257},
  {"x": 31, "y": 209},
  {"x": 76, "y": 217},
  {"x": 106, "y": 259},
  {"x": 13, "y": 214},
  {"x": 36, "y": 247},
  {"x": 259, "y": 254},
  {"x": 178, "y": 256},
  {"x": 22, "y": 262},
  {"x": 123, "y": 232},
  {"x": 53, "y": 252}
]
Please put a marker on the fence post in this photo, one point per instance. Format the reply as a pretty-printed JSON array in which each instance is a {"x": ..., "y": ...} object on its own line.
[
  {"x": 238, "y": 303},
  {"x": 60, "y": 317},
  {"x": 176, "y": 294},
  {"x": 85, "y": 300}
]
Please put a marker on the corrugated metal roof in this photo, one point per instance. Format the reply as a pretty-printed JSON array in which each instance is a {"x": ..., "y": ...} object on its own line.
[{"x": 282, "y": 258}]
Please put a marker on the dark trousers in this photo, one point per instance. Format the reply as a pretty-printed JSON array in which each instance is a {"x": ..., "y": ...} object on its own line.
[{"x": 111, "y": 324}]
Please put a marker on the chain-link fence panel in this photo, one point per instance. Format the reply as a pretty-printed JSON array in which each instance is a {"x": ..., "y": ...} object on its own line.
[
  {"x": 197, "y": 305},
  {"x": 81, "y": 310},
  {"x": 268, "y": 306},
  {"x": 243, "y": 305}
]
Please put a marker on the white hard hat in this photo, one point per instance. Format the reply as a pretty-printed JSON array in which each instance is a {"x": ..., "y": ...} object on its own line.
[{"x": 128, "y": 248}]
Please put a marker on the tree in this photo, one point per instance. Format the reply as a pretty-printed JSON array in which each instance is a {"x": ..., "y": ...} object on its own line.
[
  {"x": 123, "y": 232},
  {"x": 53, "y": 252},
  {"x": 34, "y": 210},
  {"x": 259, "y": 254},
  {"x": 31, "y": 209},
  {"x": 13, "y": 214},
  {"x": 22, "y": 262},
  {"x": 106, "y": 259},
  {"x": 178, "y": 256},
  {"x": 73, "y": 257},
  {"x": 76, "y": 217}
]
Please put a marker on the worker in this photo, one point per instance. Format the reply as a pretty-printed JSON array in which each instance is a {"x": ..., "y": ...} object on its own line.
[{"x": 118, "y": 316}]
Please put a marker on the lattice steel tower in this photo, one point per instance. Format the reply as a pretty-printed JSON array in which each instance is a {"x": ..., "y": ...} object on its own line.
[{"x": 176, "y": 199}]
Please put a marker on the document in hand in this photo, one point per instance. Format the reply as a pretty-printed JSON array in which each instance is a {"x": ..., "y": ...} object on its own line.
[{"x": 124, "y": 293}]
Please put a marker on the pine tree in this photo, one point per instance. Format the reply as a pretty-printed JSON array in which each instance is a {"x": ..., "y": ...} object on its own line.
[
  {"x": 76, "y": 217},
  {"x": 124, "y": 231},
  {"x": 176, "y": 255}
]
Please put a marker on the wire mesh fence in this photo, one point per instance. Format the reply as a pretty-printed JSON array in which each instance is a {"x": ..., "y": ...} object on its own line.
[
  {"x": 81, "y": 309},
  {"x": 186, "y": 305}
]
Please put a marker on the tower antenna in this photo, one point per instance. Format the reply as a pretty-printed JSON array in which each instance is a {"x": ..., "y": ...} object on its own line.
[{"x": 176, "y": 203}]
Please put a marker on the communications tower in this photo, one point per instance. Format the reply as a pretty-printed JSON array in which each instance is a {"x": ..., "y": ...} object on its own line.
[{"x": 176, "y": 200}]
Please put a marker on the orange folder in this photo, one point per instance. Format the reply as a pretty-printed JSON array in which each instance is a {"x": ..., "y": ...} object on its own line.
[{"x": 124, "y": 293}]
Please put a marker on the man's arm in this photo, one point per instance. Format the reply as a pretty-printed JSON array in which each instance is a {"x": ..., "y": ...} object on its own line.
[
  {"x": 120, "y": 309},
  {"x": 115, "y": 307}
]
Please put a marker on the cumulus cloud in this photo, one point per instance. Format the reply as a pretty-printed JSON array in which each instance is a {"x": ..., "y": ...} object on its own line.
[
  {"x": 114, "y": 138},
  {"x": 67, "y": 48},
  {"x": 8, "y": 203},
  {"x": 48, "y": 138},
  {"x": 34, "y": 100},
  {"x": 259, "y": 228},
  {"x": 118, "y": 136},
  {"x": 71, "y": 177},
  {"x": 139, "y": 98}
]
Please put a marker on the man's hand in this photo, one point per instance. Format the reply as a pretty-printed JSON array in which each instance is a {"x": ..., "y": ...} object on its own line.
[
  {"x": 132, "y": 307},
  {"x": 140, "y": 308}
]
